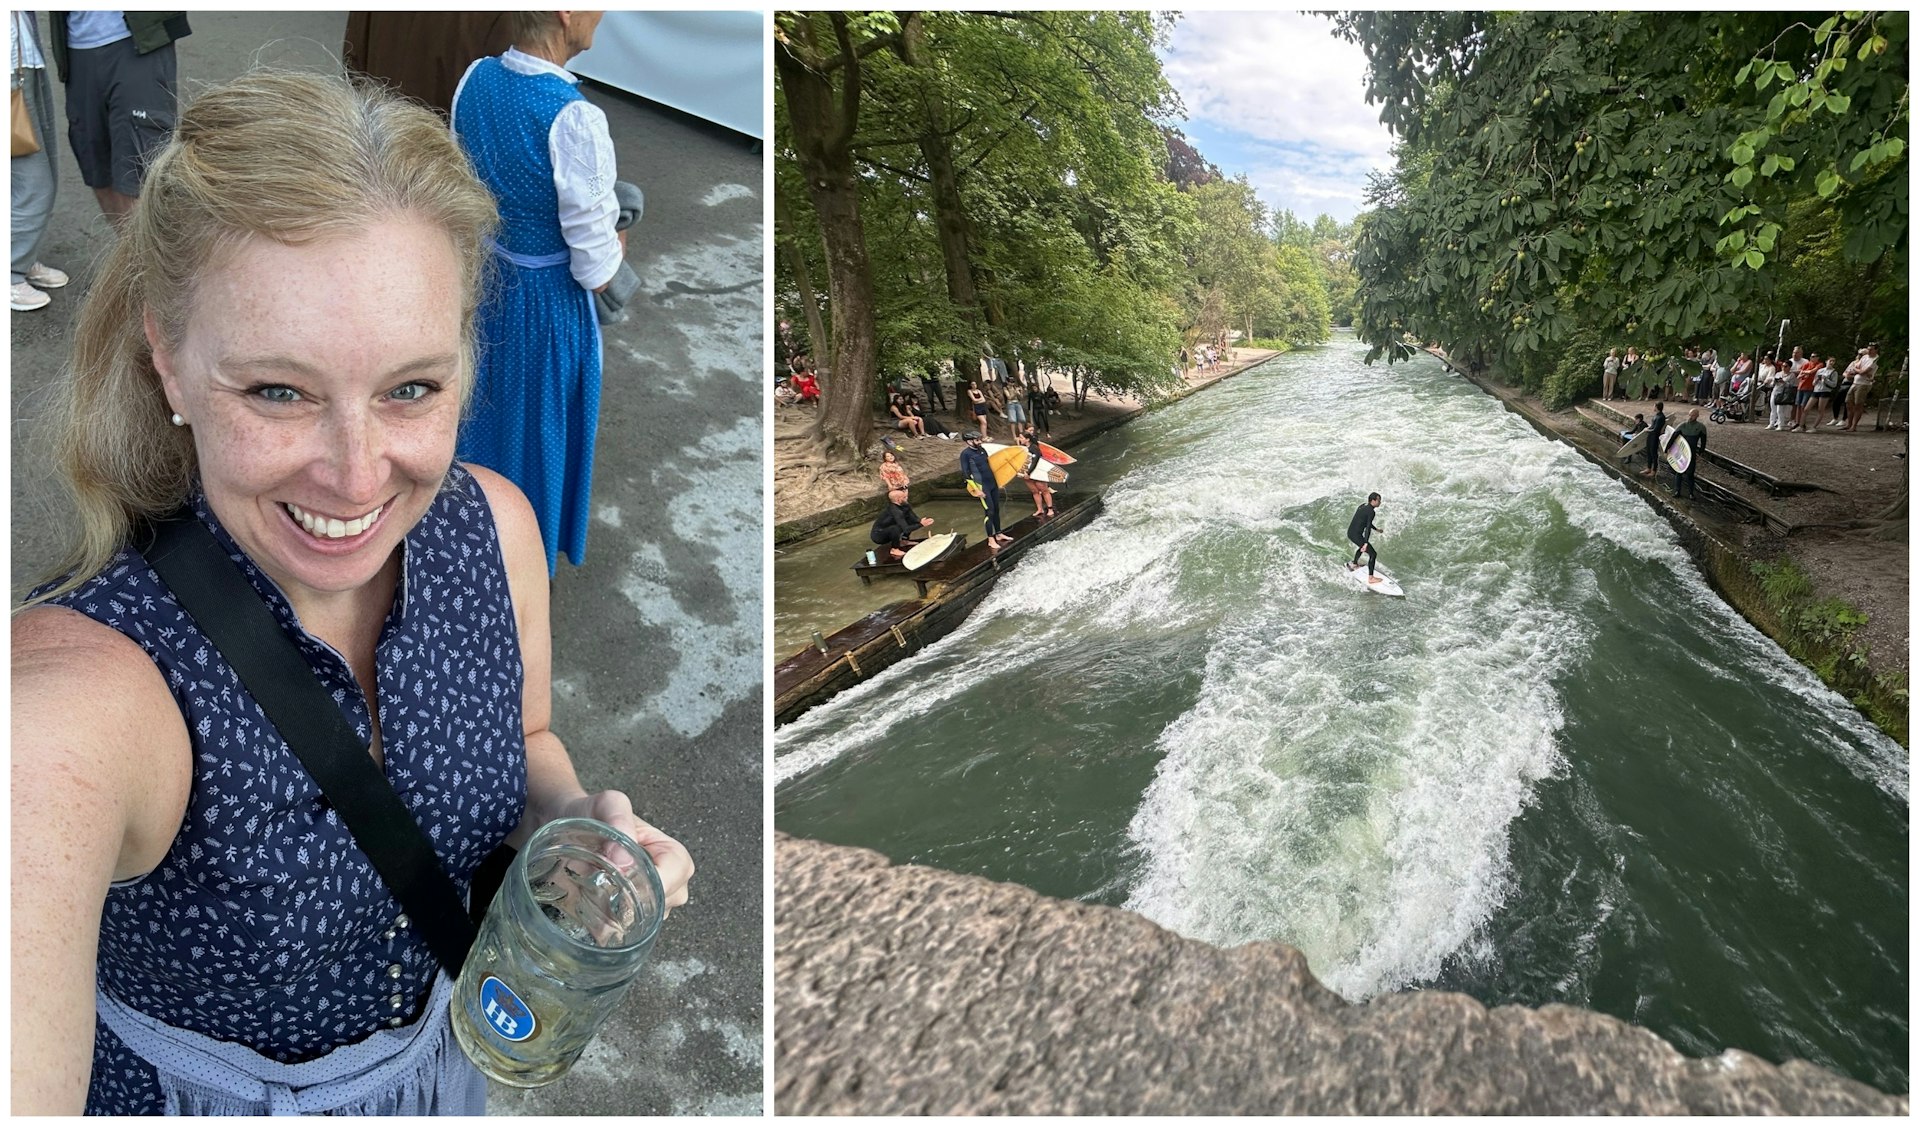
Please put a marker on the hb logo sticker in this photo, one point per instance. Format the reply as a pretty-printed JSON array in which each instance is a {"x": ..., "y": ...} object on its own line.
[{"x": 505, "y": 1012}]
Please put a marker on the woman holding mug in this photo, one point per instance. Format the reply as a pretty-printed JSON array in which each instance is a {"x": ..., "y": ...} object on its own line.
[{"x": 279, "y": 346}]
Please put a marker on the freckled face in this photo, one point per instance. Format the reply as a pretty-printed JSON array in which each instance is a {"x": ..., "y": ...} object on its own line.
[{"x": 322, "y": 383}]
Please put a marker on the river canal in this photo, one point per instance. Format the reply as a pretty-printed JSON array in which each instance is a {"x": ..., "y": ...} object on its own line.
[{"x": 1560, "y": 770}]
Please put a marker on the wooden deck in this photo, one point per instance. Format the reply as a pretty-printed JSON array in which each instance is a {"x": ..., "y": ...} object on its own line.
[{"x": 949, "y": 590}]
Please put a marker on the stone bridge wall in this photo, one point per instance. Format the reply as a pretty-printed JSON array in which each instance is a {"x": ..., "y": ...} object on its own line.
[{"x": 907, "y": 990}]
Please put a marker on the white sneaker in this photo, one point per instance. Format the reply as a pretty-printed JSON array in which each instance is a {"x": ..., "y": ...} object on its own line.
[
  {"x": 25, "y": 298},
  {"x": 46, "y": 277}
]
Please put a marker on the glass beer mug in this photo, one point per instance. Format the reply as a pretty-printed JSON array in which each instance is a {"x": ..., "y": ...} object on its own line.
[{"x": 564, "y": 937}]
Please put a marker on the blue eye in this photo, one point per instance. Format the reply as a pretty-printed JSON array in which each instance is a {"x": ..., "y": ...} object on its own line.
[
  {"x": 413, "y": 392},
  {"x": 277, "y": 393}
]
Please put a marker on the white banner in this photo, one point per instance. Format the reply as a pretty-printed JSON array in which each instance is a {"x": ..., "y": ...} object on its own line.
[{"x": 708, "y": 64}]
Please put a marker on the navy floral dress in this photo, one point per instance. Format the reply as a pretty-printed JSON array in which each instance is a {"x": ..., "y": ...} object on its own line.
[{"x": 265, "y": 924}]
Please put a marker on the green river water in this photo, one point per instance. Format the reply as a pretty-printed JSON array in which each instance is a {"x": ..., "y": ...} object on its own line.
[{"x": 1560, "y": 770}]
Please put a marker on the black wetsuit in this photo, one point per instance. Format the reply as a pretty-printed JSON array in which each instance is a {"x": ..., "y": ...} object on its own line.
[
  {"x": 1657, "y": 433},
  {"x": 1695, "y": 432},
  {"x": 1360, "y": 532},
  {"x": 894, "y": 525},
  {"x": 975, "y": 467}
]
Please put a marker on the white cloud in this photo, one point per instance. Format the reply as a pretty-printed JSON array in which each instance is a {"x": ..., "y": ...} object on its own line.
[{"x": 1294, "y": 93}]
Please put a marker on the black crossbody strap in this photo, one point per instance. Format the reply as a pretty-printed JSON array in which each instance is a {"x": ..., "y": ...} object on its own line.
[{"x": 231, "y": 613}]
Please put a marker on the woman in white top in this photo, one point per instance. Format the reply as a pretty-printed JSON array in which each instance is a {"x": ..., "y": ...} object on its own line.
[
  {"x": 1770, "y": 380},
  {"x": 1861, "y": 389},
  {"x": 545, "y": 153}
]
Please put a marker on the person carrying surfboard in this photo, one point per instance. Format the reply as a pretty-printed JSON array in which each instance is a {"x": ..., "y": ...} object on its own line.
[
  {"x": 1657, "y": 430},
  {"x": 982, "y": 484},
  {"x": 1360, "y": 532},
  {"x": 1037, "y": 482},
  {"x": 1695, "y": 432}
]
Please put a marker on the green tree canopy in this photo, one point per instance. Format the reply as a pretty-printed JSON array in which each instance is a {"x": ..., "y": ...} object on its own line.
[
  {"x": 1606, "y": 174},
  {"x": 1009, "y": 183}
]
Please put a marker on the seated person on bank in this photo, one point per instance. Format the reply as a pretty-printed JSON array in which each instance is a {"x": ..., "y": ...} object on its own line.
[
  {"x": 896, "y": 524},
  {"x": 806, "y": 387},
  {"x": 905, "y": 417}
]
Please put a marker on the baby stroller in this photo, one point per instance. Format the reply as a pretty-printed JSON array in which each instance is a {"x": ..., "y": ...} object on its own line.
[{"x": 1735, "y": 406}]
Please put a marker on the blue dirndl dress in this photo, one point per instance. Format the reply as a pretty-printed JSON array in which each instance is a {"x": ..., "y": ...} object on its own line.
[
  {"x": 265, "y": 927},
  {"x": 536, "y": 403}
]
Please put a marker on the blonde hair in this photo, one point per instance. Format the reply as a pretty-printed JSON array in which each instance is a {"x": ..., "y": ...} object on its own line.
[{"x": 296, "y": 158}]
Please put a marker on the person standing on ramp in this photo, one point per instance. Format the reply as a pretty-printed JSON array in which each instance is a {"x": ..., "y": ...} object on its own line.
[
  {"x": 982, "y": 484},
  {"x": 1360, "y": 532}
]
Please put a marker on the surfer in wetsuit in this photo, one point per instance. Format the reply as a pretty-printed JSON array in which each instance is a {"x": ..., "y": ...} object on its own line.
[
  {"x": 1658, "y": 427},
  {"x": 980, "y": 482},
  {"x": 896, "y": 523},
  {"x": 1360, "y": 532},
  {"x": 1695, "y": 432}
]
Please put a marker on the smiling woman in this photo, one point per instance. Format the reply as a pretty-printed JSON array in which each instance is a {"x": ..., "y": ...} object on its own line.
[{"x": 277, "y": 350}]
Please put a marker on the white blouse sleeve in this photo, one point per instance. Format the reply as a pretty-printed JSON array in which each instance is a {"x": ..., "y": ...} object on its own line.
[{"x": 582, "y": 152}]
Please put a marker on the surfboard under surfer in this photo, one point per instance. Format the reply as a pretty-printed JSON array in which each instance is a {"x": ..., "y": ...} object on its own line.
[
  {"x": 896, "y": 524},
  {"x": 1360, "y": 532}
]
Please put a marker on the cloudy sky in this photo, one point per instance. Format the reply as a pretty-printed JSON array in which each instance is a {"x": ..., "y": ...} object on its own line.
[{"x": 1275, "y": 95}]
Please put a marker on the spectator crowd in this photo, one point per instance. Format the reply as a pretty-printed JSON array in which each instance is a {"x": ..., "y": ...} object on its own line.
[{"x": 1800, "y": 393}]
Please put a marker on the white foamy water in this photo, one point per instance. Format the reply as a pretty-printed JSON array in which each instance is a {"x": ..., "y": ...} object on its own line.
[{"x": 1347, "y": 776}]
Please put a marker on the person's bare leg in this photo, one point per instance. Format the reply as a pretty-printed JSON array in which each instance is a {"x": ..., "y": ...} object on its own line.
[{"x": 115, "y": 205}]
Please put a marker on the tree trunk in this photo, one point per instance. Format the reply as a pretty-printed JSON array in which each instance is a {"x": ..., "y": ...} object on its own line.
[
  {"x": 952, "y": 228},
  {"x": 823, "y": 120},
  {"x": 802, "y": 277}
]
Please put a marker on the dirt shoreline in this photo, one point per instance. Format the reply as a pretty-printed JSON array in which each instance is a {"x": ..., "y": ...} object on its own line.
[{"x": 806, "y": 503}]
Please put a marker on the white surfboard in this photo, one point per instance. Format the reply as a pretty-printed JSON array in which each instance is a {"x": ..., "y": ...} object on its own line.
[
  {"x": 1635, "y": 444},
  {"x": 928, "y": 550},
  {"x": 1679, "y": 453},
  {"x": 1386, "y": 586}
]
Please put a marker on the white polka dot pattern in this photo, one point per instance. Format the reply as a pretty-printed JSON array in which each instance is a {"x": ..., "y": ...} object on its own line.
[{"x": 536, "y": 401}]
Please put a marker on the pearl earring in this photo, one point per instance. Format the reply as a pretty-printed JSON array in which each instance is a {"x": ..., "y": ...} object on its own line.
[{"x": 178, "y": 421}]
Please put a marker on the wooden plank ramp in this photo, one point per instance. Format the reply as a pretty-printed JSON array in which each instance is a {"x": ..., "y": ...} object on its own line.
[{"x": 953, "y": 587}]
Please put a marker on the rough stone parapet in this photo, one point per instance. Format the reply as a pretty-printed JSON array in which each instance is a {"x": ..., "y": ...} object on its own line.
[{"x": 908, "y": 990}]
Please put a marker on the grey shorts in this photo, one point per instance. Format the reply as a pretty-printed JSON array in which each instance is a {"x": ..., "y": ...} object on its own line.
[
  {"x": 1015, "y": 411},
  {"x": 120, "y": 111}
]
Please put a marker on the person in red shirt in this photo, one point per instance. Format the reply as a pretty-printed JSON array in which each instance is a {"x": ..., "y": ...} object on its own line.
[{"x": 806, "y": 387}]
